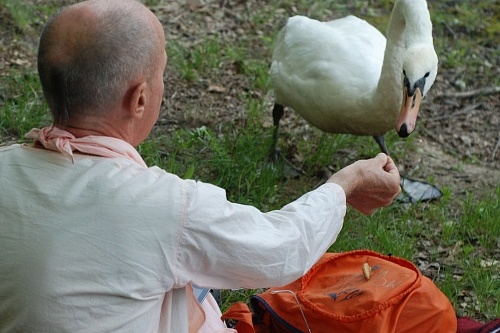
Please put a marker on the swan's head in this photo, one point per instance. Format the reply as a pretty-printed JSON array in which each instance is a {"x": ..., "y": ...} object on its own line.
[{"x": 420, "y": 66}]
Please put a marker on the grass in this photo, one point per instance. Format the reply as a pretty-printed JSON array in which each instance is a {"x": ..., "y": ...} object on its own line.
[
  {"x": 23, "y": 108},
  {"x": 462, "y": 244},
  {"x": 19, "y": 11}
]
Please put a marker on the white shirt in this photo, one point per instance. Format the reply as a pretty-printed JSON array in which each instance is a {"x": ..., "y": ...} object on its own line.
[{"x": 107, "y": 245}]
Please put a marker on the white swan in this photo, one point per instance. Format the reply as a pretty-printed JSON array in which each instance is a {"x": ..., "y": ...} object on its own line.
[{"x": 343, "y": 77}]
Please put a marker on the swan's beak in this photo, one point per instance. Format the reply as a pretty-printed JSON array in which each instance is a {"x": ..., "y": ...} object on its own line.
[{"x": 408, "y": 113}]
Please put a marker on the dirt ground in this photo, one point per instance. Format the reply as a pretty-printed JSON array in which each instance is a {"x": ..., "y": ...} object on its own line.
[{"x": 458, "y": 131}]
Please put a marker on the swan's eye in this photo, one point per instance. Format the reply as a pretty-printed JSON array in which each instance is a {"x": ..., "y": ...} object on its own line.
[
  {"x": 427, "y": 74},
  {"x": 404, "y": 72}
]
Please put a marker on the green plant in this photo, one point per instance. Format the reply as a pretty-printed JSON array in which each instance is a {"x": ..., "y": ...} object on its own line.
[
  {"x": 20, "y": 12},
  {"x": 195, "y": 60},
  {"x": 25, "y": 108}
]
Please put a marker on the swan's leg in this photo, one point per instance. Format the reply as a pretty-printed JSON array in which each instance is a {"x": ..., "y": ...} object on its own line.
[
  {"x": 278, "y": 112},
  {"x": 290, "y": 170},
  {"x": 381, "y": 143}
]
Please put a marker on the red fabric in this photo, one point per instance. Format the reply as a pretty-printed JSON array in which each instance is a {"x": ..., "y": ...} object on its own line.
[
  {"x": 469, "y": 325},
  {"x": 240, "y": 312}
]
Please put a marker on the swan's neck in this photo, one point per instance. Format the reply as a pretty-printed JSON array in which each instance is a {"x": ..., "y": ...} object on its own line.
[{"x": 410, "y": 24}]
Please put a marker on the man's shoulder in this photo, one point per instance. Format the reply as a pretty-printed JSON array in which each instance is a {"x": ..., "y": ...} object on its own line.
[{"x": 10, "y": 147}]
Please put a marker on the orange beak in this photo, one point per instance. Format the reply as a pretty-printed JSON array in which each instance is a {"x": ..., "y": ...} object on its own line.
[{"x": 408, "y": 113}]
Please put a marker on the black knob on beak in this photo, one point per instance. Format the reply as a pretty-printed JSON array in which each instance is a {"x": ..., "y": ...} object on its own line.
[{"x": 403, "y": 131}]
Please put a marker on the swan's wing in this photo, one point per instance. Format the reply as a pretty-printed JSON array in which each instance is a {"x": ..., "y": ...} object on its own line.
[{"x": 338, "y": 58}]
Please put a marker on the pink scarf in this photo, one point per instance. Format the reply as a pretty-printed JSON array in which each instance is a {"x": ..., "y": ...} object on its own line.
[{"x": 56, "y": 139}]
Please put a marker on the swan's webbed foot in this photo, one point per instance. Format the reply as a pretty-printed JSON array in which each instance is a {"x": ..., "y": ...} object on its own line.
[
  {"x": 289, "y": 170},
  {"x": 414, "y": 191}
]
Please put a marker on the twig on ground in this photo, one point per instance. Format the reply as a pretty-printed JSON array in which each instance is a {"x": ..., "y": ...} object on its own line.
[
  {"x": 465, "y": 110},
  {"x": 452, "y": 33},
  {"x": 471, "y": 93},
  {"x": 496, "y": 147}
]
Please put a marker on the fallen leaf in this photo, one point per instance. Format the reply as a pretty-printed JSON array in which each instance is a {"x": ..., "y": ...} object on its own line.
[
  {"x": 489, "y": 263},
  {"x": 216, "y": 88},
  {"x": 19, "y": 62}
]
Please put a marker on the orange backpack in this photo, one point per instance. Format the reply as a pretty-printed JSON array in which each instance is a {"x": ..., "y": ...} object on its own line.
[{"x": 358, "y": 291}]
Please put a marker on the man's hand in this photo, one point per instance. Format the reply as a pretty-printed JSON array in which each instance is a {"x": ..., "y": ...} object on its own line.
[{"x": 369, "y": 184}]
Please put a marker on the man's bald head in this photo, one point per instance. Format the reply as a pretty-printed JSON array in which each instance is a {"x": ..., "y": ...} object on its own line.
[{"x": 90, "y": 52}]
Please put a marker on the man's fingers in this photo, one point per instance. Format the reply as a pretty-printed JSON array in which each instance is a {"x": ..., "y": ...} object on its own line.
[
  {"x": 391, "y": 167},
  {"x": 387, "y": 163},
  {"x": 381, "y": 158}
]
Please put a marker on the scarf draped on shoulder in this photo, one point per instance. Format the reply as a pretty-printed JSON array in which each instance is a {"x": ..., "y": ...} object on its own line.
[{"x": 56, "y": 139}]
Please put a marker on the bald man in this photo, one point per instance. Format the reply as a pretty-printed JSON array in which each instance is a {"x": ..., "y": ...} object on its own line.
[{"x": 94, "y": 240}]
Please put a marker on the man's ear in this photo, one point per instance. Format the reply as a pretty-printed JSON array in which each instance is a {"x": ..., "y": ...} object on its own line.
[{"x": 138, "y": 100}]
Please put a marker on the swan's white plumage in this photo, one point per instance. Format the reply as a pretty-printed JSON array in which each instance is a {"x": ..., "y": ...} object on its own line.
[{"x": 343, "y": 76}]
